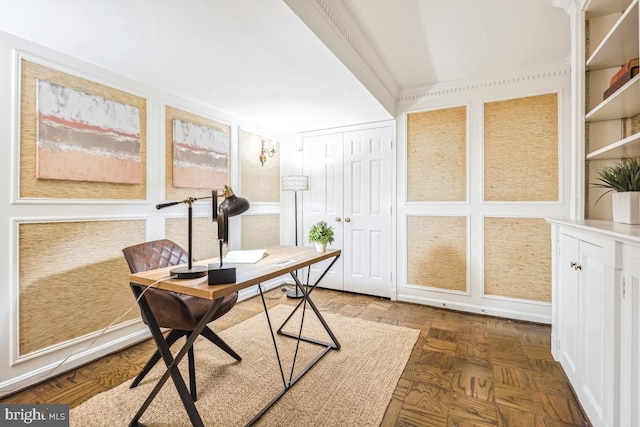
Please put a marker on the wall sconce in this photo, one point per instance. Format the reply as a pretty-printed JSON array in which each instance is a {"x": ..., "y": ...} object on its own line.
[{"x": 264, "y": 153}]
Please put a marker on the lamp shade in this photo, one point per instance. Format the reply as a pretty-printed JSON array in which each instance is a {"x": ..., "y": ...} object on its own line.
[
  {"x": 295, "y": 183},
  {"x": 234, "y": 204}
]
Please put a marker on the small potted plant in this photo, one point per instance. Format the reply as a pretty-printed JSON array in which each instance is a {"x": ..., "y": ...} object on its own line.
[
  {"x": 321, "y": 233},
  {"x": 623, "y": 180}
]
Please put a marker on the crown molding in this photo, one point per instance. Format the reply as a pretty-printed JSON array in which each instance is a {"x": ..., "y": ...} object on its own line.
[
  {"x": 332, "y": 23},
  {"x": 460, "y": 86}
]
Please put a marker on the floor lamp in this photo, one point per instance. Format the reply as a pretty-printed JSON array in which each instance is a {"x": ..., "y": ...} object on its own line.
[{"x": 295, "y": 183}]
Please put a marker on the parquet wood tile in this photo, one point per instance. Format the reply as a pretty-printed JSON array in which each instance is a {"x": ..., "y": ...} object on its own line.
[
  {"x": 465, "y": 369},
  {"x": 562, "y": 408},
  {"x": 510, "y": 417},
  {"x": 514, "y": 377},
  {"x": 476, "y": 387},
  {"x": 471, "y": 410},
  {"x": 518, "y": 398},
  {"x": 434, "y": 376},
  {"x": 474, "y": 352},
  {"x": 428, "y": 399}
]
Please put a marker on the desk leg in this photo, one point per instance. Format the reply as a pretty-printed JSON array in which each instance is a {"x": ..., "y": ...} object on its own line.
[
  {"x": 334, "y": 345},
  {"x": 307, "y": 299},
  {"x": 171, "y": 362}
]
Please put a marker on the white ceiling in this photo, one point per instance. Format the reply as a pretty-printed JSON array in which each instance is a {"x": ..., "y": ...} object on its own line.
[{"x": 257, "y": 60}]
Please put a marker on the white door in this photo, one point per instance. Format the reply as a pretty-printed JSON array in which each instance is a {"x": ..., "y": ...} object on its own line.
[
  {"x": 350, "y": 183},
  {"x": 322, "y": 162},
  {"x": 367, "y": 211}
]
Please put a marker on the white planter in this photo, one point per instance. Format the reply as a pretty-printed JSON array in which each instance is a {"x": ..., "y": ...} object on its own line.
[
  {"x": 626, "y": 207},
  {"x": 321, "y": 247}
]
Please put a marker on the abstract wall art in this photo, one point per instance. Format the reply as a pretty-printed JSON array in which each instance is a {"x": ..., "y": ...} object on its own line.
[
  {"x": 86, "y": 137},
  {"x": 200, "y": 154}
]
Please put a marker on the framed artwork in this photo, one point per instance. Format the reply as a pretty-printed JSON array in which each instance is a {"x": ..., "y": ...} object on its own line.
[
  {"x": 86, "y": 137},
  {"x": 197, "y": 151},
  {"x": 79, "y": 139}
]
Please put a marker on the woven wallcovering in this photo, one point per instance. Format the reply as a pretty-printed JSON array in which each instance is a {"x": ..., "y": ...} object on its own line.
[
  {"x": 521, "y": 149},
  {"x": 30, "y": 187},
  {"x": 517, "y": 258},
  {"x": 205, "y": 235},
  {"x": 260, "y": 183},
  {"x": 73, "y": 279},
  {"x": 171, "y": 114},
  {"x": 437, "y": 155},
  {"x": 261, "y": 231},
  {"x": 437, "y": 252}
]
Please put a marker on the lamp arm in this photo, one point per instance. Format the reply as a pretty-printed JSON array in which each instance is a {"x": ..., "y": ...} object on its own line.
[{"x": 188, "y": 200}]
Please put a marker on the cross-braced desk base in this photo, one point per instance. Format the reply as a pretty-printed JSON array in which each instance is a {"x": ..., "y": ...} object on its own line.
[
  {"x": 173, "y": 362},
  {"x": 326, "y": 346}
]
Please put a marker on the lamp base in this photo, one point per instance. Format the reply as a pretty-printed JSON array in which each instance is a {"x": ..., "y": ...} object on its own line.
[
  {"x": 220, "y": 275},
  {"x": 189, "y": 273},
  {"x": 295, "y": 293}
]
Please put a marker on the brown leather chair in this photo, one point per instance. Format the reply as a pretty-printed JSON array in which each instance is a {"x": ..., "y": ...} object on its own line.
[{"x": 178, "y": 312}]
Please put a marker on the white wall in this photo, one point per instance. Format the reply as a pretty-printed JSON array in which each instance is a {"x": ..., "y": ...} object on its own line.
[
  {"x": 472, "y": 94},
  {"x": 13, "y": 374}
]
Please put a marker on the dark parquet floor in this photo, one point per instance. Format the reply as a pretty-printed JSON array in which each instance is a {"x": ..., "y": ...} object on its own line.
[{"x": 465, "y": 370}]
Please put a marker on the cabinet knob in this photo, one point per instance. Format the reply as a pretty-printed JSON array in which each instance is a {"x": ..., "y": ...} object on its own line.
[
  {"x": 573, "y": 265},
  {"x": 337, "y": 219},
  {"x": 578, "y": 267}
]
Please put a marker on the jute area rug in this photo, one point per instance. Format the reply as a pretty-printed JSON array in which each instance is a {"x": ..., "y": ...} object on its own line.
[{"x": 348, "y": 387}]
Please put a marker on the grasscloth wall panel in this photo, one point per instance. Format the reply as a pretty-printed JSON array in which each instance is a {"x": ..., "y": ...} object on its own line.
[
  {"x": 437, "y": 155},
  {"x": 205, "y": 235},
  {"x": 437, "y": 252},
  {"x": 260, "y": 231},
  {"x": 260, "y": 183},
  {"x": 171, "y": 113},
  {"x": 30, "y": 187},
  {"x": 521, "y": 149},
  {"x": 517, "y": 258},
  {"x": 73, "y": 279}
]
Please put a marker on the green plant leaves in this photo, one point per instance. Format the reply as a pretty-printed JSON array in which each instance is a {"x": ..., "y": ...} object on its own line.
[
  {"x": 321, "y": 232},
  {"x": 622, "y": 176}
]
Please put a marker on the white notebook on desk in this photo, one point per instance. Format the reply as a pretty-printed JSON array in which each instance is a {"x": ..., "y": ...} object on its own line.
[{"x": 246, "y": 256}]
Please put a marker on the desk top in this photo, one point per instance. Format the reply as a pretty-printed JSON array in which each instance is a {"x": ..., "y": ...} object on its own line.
[{"x": 246, "y": 274}]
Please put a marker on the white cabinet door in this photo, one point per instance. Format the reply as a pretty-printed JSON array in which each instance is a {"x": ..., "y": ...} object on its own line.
[
  {"x": 569, "y": 308},
  {"x": 630, "y": 338},
  {"x": 587, "y": 310},
  {"x": 598, "y": 334},
  {"x": 367, "y": 211}
]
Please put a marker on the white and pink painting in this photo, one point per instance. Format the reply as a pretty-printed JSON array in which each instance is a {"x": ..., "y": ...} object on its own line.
[
  {"x": 200, "y": 155},
  {"x": 85, "y": 137}
]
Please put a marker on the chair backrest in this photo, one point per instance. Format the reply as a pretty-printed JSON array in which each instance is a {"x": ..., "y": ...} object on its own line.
[{"x": 154, "y": 254}]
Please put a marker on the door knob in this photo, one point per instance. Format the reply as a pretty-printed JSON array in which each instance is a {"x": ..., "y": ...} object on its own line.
[
  {"x": 347, "y": 219},
  {"x": 337, "y": 219}
]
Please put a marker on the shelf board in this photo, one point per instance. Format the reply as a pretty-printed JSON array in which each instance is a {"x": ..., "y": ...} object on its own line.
[
  {"x": 596, "y": 8},
  {"x": 624, "y": 103},
  {"x": 627, "y": 147},
  {"x": 620, "y": 44}
]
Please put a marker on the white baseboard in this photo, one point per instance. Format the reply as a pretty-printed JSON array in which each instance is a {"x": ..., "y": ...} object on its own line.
[{"x": 477, "y": 309}]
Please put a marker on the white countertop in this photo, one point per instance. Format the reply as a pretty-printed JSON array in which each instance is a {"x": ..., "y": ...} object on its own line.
[{"x": 621, "y": 232}]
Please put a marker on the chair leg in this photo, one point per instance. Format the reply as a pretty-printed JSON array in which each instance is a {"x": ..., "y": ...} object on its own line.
[
  {"x": 192, "y": 372},
  {"x": 214, "y": 338},
  {"x": 171, "y": 338}
]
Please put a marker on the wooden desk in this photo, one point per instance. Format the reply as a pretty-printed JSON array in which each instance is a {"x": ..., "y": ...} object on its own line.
[{"x": 247, "y": 275}]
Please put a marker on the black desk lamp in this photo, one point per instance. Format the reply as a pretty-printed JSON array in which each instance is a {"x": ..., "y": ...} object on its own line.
[{"x": 231, "y": 206}]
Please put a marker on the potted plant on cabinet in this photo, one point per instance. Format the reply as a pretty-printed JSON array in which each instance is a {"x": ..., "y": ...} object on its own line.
[
  {"x": 321, "y": 233},
  {"x": 623, "y": 180}
]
